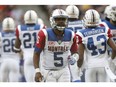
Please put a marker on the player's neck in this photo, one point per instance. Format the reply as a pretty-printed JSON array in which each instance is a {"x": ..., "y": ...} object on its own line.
[{"x": 58, "y": 33}]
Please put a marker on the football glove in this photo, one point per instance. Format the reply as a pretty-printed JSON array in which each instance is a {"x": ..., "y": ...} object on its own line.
[{"x": 73, "y": 59}]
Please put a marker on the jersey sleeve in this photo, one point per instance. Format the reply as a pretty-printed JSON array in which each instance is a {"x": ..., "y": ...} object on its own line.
[
  {"x": 17, "y": 32},
  {"x": 109, "y": 33},
  {"x": 79, "y": 39},
  {"x": 74, "y": 46},
  {"x": 40, "y": 41}
]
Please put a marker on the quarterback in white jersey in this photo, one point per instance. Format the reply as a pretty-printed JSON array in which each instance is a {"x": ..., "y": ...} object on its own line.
[
  {"x": 93, "y": 40},
  {"x": 75, "y": 25},
  {"x": 26, "y": 37},
  {"x": 57, "y": 44},
  {"x": 9, "y": 70}
]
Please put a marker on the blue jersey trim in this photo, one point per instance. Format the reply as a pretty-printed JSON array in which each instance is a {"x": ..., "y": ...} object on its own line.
[
  {"x": 92, "y": 31},
  {"x": 30, "y": 27},
  {"x": 53, "y": 37},
  {"x": 112, "y": 27},
  {"x": 8, "y": 34}
]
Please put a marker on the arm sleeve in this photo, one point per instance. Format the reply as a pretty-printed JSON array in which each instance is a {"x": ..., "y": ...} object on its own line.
[
  {"x": 74, "y": 46},
  {"x": 40, "y": 41},
  {"x": 17, "y": 32},
  {"x": 109, "y": 33},
  {"x": 79, "y": 39}
]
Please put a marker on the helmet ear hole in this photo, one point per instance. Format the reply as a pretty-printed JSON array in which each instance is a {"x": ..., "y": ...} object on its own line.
[
  {"x": 59, "y": 14},
  {"x": 30, "y": 17},
  {"x": 91, "y": 18},
  {"x": 8, "y": 24}
]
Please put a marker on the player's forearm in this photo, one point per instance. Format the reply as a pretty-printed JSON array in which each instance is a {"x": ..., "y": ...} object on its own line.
[
  {"x": 36, "y": 60},
  {"x": 17, "y": 45},
  {"x": 113, "y": 54},
  {"x": 80, "y": 62}
]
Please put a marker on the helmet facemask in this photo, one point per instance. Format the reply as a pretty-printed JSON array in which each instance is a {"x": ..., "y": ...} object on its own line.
[
  {"x": 60, "y": 23},
  {"x": 59, "y": 19},
  {"x": 113, "y": 14}
]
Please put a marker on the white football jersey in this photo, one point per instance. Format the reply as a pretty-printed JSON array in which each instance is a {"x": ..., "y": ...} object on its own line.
[
  {"x": 75, "y": 25},
  {"x": 27, "y": 35},
  {"x": 95, "y": 42},
  {"x": 7, "y": 41},
  {"x": 56, "y": 51}
]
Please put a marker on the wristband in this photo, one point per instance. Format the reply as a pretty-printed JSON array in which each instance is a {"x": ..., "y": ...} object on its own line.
[
  {"x": 17, "y": 49},
  {"x": 37, "y": 70}
]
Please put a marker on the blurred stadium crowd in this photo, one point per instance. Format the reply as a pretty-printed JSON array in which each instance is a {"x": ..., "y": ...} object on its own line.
[{"x": 44, "y": 11}]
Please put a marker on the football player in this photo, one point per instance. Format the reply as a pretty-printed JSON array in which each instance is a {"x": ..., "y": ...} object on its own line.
[
  {"x": 26, "y": 36},
  {"x": 111, "y": 14},
  {"x": 75, "y": 25},
  {"x": 9, "y": 69},
  {"x": 93, "y": 40},
  {"x": 59, "y": 47}
]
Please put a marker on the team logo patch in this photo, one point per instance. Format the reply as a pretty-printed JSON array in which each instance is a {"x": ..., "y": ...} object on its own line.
[
  {"x": 51, "y": 43},
  {"x": 59, "y": 41}
]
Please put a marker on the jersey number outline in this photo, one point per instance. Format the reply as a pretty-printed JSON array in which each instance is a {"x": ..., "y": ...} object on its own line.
[
  {"x": 28, "y": 38},
  {"x": 8, "y": 45},
  {"x": 93, "y": 47},
  {"x": 58, "y": 60}
]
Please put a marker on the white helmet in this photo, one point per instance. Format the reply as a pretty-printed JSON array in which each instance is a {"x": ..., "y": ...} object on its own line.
[
  {"x": 40, "y": 21},
  {"x": 72, "y": 11},
  {"x": 59, "y": 13},
  {"x": 107, "y": 11},
  {"x": 30, "y": 17},
  {"x": 8, "y": 24},
  {"x": 113, "y": 13},
  {"x": 91, "y": 18}
]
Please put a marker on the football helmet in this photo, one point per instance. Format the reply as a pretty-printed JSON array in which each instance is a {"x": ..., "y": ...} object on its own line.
[
  {"x": 107, "y": 11},
  {"x": 30, "y": 17},
  {"x": 62, "y": 16},
  {"x": 40, "y": 21},
  {"x": 113, "y": 13},
  {"x": 72, "y": 11},
  {"x": 91, "y": 18},
  {"x": 8, "y": 24}
]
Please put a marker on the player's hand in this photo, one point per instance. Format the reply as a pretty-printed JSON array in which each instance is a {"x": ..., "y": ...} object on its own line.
[
  {"x": 38, "y": 77},
  {"x": 71, "y": 60}
]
